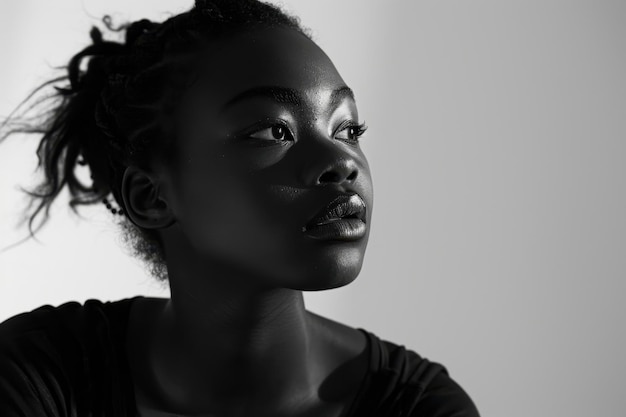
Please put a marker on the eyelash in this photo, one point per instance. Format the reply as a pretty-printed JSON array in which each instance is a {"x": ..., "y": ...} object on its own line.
[
  {"x": 246, "y": 134},
  {"x": 270, "y": 123},
  {"x": 349, "y": 124}
]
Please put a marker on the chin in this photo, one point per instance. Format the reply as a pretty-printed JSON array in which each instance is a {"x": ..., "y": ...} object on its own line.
[
  {"x": 331, "y": 284},
  {"x": 330, "y": 272}
]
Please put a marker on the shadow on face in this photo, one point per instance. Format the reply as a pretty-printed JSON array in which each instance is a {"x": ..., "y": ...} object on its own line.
[{"x": 267, "y": 136}]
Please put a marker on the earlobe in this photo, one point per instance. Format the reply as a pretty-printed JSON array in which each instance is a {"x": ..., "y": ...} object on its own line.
[{"x": 144, "y": 204}]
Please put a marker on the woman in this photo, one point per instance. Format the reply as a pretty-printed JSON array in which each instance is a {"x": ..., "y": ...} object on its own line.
[{"x": 227, "y": 144}]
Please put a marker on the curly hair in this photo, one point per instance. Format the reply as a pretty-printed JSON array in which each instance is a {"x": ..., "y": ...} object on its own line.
[{"x": 113, "y": 113}]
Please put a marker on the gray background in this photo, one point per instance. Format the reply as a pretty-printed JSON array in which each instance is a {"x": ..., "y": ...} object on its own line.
[{"x": 497, "y": 146}]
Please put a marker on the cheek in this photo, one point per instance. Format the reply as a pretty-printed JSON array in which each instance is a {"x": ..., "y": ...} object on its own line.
[{"x": 234, "y": 219}]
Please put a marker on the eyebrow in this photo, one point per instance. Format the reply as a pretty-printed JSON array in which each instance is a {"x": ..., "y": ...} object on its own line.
[
  {"x": 286, "y": 95},
  {"x": 340, "y": 94}
]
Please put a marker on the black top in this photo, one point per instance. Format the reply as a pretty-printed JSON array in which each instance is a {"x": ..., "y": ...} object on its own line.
[{"x": 70, "y": 361}]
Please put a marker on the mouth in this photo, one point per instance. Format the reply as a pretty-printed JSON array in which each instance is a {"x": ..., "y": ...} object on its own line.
[{"x": 343, "y": 218}]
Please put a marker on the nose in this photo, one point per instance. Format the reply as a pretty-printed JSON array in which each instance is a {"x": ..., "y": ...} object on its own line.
[
  {"x": 325, "y": 161},
  {"x": 340, "y": 170}
]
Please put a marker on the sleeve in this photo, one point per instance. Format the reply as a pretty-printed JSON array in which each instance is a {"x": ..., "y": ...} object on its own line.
[
  {"x": 31, "y": 384},
  {"x": 444, "y": 397},
  {"x": 65, "y": 361}
]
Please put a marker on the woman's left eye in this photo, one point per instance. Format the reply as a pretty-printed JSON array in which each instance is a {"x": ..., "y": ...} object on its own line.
[
  {"x": 351, "y": 132},
  {"x": 276, "y": 132}
]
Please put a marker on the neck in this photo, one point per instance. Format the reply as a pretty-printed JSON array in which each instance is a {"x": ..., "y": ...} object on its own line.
[
  {"x": 238, "y": 329},
  {"x": 221, "y": 341}
]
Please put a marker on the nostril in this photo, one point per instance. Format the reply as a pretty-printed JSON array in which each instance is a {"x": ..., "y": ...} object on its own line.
[
  {"x": 333, "y": 176},
  {"x": 328, "y": 176}
]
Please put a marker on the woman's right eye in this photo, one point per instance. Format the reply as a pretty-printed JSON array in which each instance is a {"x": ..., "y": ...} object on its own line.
[{"x": 275, "y": 133}]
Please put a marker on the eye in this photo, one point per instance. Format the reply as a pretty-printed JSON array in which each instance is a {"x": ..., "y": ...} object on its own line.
[
  {"x": 274, "y": 133},
  {"x": 350, "y": 131}
]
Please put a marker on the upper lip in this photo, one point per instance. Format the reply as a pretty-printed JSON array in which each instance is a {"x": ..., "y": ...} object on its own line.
[{"x": 345, "y": 205}]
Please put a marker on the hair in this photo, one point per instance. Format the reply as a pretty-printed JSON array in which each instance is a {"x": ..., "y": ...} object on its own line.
[{"x": 113, "y": 112}]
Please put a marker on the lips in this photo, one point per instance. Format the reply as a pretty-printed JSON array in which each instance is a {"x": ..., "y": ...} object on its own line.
[{"x": 343, "y": 207}]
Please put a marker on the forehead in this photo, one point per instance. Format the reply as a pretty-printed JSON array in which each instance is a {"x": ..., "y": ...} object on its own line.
[{"x": 265, "y": 57}]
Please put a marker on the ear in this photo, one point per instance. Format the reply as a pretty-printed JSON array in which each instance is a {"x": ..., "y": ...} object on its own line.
[{"x": 142, "y": 200}]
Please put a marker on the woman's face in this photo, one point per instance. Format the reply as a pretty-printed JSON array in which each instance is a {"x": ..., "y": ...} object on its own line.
[{"x": 267, "y": 137}]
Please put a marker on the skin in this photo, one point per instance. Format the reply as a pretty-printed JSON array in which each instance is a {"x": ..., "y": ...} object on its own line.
[{"x": 234, "y": 338}]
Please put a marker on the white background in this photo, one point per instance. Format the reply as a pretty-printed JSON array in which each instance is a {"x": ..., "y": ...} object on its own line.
[{"x": 497, "y": 145}]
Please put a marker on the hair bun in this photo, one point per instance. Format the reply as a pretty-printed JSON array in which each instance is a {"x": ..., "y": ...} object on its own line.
[
  {"x": 208, "y": 8},
  {"x": 138, "y": 28}
]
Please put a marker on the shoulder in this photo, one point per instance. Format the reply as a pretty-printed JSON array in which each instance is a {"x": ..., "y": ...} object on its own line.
[
  {"x": 444, "y": 397},
  {"x": 70, "y": 316},
  {"x": 65, "y": 327},
  {"x": 50, "y": 356},
  {"x": 408, "y": 384}
]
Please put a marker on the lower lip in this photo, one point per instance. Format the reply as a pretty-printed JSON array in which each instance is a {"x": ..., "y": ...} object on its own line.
[{"x": 344, "y": 229}]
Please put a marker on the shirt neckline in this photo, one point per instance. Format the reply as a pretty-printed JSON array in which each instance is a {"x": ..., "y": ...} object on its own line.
[{"x": 128, "y": 390}]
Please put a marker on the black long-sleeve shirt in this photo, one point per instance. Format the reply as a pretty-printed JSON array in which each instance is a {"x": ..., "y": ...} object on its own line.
[{"x": 70, "y": 361}]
